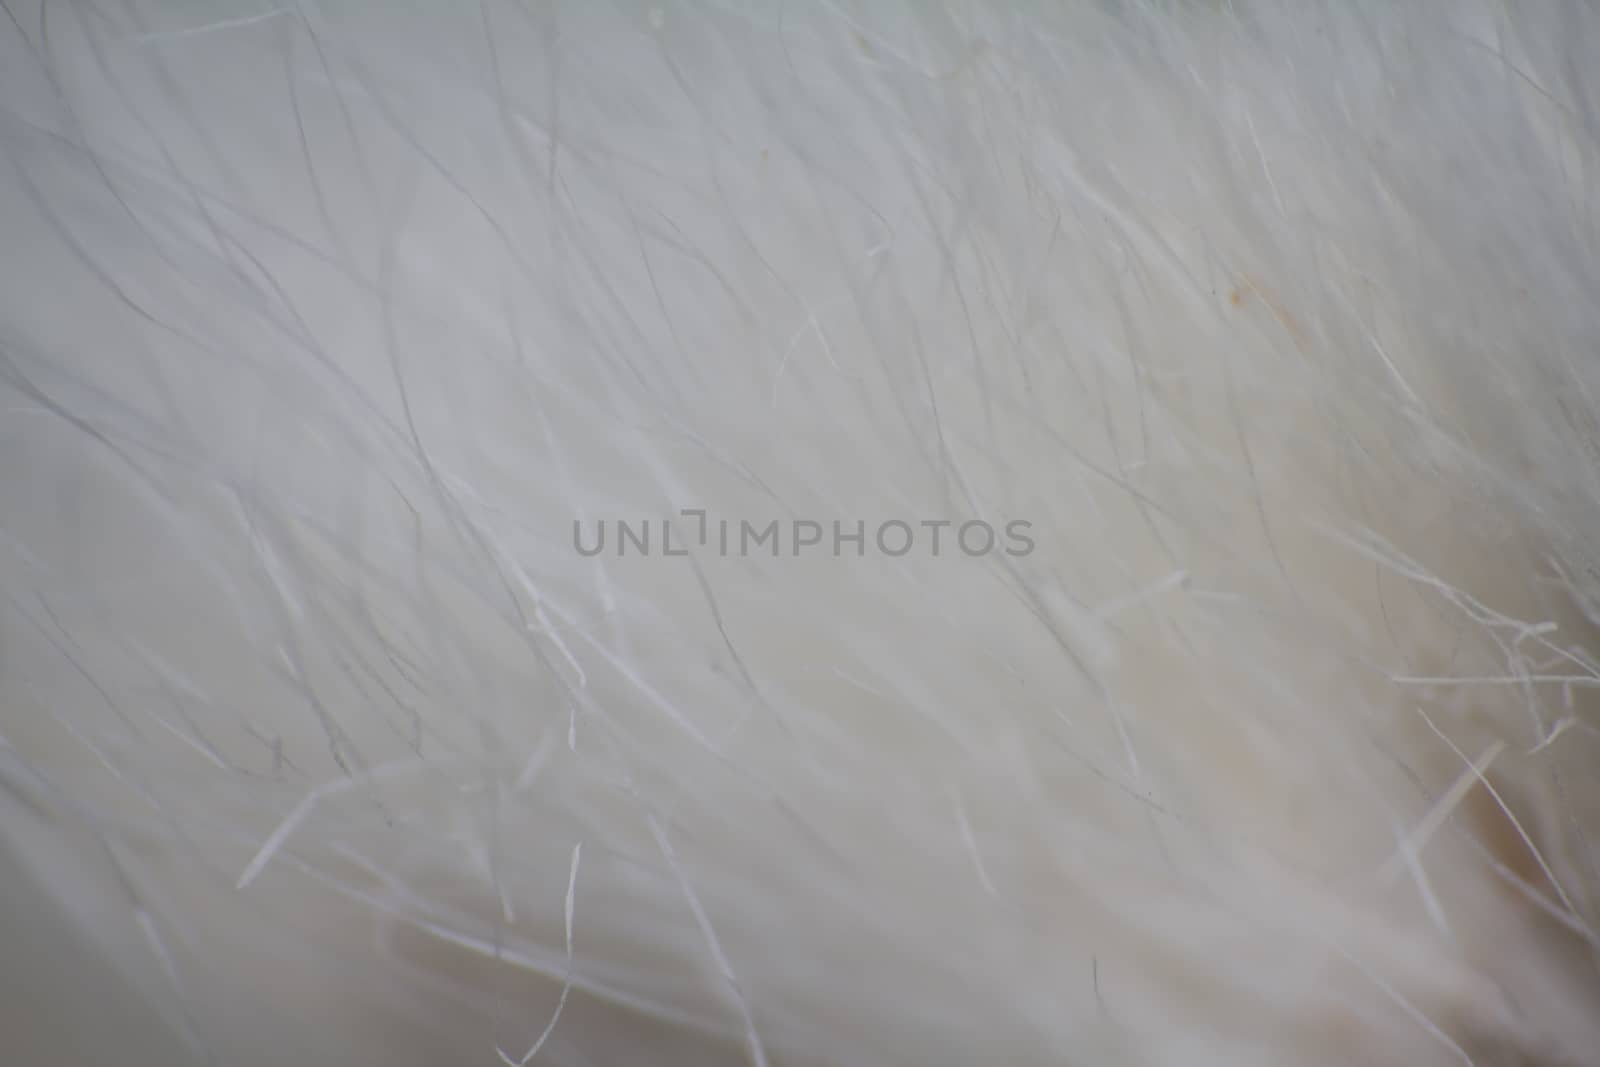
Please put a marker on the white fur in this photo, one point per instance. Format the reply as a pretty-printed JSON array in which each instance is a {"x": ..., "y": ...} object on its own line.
[{"x": 321, "y": 326}]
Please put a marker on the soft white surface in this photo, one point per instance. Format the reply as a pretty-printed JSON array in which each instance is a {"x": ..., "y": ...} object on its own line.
[{"x": 320, "y": 326}]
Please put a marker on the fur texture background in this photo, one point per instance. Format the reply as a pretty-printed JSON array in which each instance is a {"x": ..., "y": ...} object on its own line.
[{"x": 330, "y": 333}]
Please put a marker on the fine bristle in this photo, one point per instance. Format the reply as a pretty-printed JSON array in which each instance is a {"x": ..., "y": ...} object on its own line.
[{"x": 806, "y": 533}]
